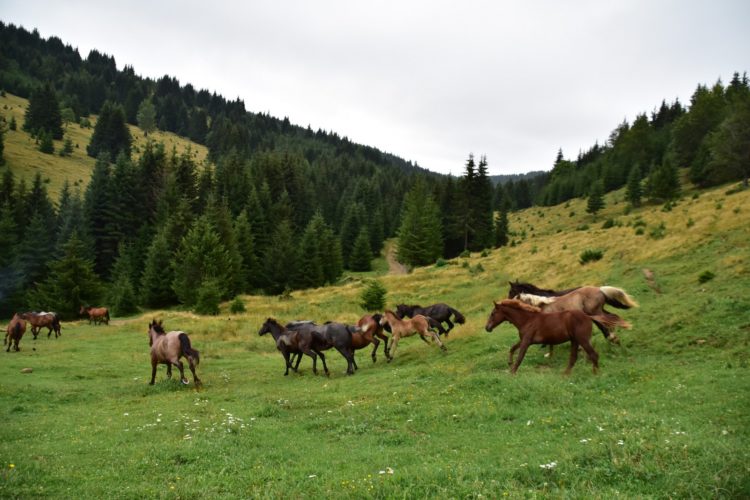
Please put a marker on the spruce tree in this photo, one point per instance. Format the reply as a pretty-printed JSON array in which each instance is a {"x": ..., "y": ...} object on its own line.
[
  {"x": 634, "y": 191},
  {"x": 354, "y": 219},
  {"x": 596, "y": 198},
  {"x": 111, "y": 133},
  {"x": 333, "y": 262},
  {"x": 146, "y": 116},
  {"x": 311, "y": 254},
  {"x": 482, "y": 207},
  {"x": 43, "y": 113},
  {"x": 361, "y": 257},
  {"x": 45, "y": 143},
  {"x": 501, "y": 228},
  {"x": 420, "y": 234},
  {"x": 664, "y": 184},
  {"x": 246, "y": 247},
  {"x": 281, "y": 260},
  {"x": 156, "y": 282}
]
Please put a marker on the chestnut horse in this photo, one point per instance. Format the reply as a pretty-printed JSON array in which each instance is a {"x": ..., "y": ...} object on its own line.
[
  {"x": 167, "y": 348},
  {"x": 368, "y": 331},
  {"x": 535, "y": 327},
  {"x": 589, "y": 299},
  {"x": 15, "y": 330},
  {"x": 439, "y": 312},
  {"x": 37, "y": 320},
  {"x": 406, "y": 328},
  {"x": 96, "y": 314}
]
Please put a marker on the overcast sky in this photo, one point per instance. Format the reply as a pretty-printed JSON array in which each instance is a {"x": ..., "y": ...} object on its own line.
[{"x": 430, "y": 81}]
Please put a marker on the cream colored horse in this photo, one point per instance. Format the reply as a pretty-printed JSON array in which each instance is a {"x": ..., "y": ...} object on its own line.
[
  {"x": 406, "y": 328},
  {"x": 167, "y": 348}
]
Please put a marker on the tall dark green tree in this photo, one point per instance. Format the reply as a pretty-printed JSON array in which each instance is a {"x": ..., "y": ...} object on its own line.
[
  {"x": 596, "y": 198},
  {"x": 664, "y": 183},
  {"x": 43, "y": 113},
  {"x": 361, "y": 256},
  {"x": 243, "y": 232},
  {"x": 634, "y": 191},
  {"x": 158, "y": 274},
  {"x": 146, "y": 116},
  {"x": 281, "y": 260},
  {"x": 311, "y": 255},
  {"x": 730, "y": 147},
  {"x": 111, "y": 133},
  {"x": 420, "y": 235},
  {"x": 482, "y": 194},
  {"x": 99, "y": 210},
  {"x": 501, "y": 228}
]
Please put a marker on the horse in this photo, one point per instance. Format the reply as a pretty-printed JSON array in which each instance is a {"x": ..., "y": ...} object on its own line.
[
  {"x": 589, "y": 299},
  {"x": 96, "y": 314},
  {"x": 167, "y": 348},
  {"x": 13, "y": 333},
  {"x": 294, "y": 342},
  {"x": 440, "y": 312},
  {"x": 535, "y": 327},
  {"x": 406, "y": 328},
  {"x": 328, "y": 335},
  {"x": 37, "y": 320},
  {"x": 368, "y": 331}
]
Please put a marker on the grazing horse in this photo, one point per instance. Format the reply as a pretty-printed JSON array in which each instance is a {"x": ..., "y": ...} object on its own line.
[
  {"x": 535, "y": 327},
  {"x": 37, "y": 320},
  {"x": 13, "y": 333},
  {"x": 328, "y": 335},
  {"x": 96, "y": 314},
  {"x": 368, "y": 331},
  {"x": 408, "y": 327},
  {"x": 294, "y": 342},
  {"x": 439, "y": 312},
  {"x": 589, "y": 299},
  {"x": 167, "y": 348}
]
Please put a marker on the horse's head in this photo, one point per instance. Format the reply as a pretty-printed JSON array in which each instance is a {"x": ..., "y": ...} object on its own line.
[
  {"x": 155, "y": 329},
  {"x": 403, "y": 310},
  {"x": 515, "y": 289},
  {"x": 384, "y": 319},
  {"x": 267, "y": 326},
  {"x": 496, "y": 317}
]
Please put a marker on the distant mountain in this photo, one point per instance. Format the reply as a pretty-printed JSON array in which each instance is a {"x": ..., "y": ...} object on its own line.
[{"x": 504, "y": 179}]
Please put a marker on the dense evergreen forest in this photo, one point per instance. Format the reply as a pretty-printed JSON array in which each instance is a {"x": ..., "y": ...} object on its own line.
[{"x": 278, "y": 206}]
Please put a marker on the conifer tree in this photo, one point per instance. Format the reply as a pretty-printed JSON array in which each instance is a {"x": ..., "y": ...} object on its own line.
[
  {"x": 634, "y": 191},
  {"x": 311, "y": 254},
  {"x": 420, "y": 234},
  {"x": 221, "y": 220},
  {"x": 596, "y": 198},
  {"x": 354, "y": 219},
  {"x": 664, "y": 184},
  {"x": 501, "y": 228},
  {"x": 45, "y": 143},
  {"x": 111, "y": 133},
  {"x": 482, "y": 207},
  {"x": 121, "y": 296},
  {"x": 361, "y": 257},
  {"x": 246, "y": 246},
  {"x": 281, "y": 260},
  {"x": 146, "y": 116},
  {"x": 70, "y": 282},
  {"x": 99, "y": 211},
  {"x": 43, "y": 113},
  {"x": 156, "y": 282},
  {"x": 333, "y": 262}
]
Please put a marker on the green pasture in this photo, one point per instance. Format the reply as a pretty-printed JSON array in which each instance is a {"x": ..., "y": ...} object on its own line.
[{"x": 668, "y": 415}]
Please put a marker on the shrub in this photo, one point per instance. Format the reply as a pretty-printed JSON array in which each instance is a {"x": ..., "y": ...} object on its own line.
[
  {"x": 658, "y": 232},
  {"x": 582, "y": 227},
  {"x": 608, "y": 223},
  {"x": 706, "y": 276},
  {"x": 485, "y": 253},
  {"x": 690, "y": 222},
  {"x": 465, "y": 254},
  {"x": 209, "y": 296},
  {"x": 479, "y": 268},
  {"x": 373, "y": 296},
  {"x": 237, "y": 306},
  {"x": 590, "y": 255},
  {"x": 639, "y": 231},
  {"x": 441, "y": 262}
]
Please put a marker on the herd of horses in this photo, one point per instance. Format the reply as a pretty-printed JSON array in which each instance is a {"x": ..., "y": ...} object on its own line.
[
  {"x": 541, "y": 316},
  {"x": 50, "y": 320}
]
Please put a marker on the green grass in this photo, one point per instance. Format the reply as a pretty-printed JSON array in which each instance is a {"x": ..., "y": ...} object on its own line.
[{"x": 668, "y": 415}]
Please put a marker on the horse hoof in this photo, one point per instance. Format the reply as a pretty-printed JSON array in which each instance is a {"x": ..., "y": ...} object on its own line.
[{"x": 185, "y": 381}]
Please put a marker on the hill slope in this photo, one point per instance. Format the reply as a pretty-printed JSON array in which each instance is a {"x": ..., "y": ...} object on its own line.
[{"x": 667, "y": 416}]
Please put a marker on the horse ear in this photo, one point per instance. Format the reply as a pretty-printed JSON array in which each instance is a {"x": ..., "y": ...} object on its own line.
[{"x": 494, "y": 303}]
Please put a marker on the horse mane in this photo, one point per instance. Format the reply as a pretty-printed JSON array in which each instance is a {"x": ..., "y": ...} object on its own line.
[
  {"x": 157, "y": 326},
  {"x": 536, "y": 300},
  {"x": 517, "y": 304},
  {"x": 531, "y": 289}
]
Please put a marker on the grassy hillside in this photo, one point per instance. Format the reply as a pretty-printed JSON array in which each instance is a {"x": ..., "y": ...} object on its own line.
[
  {"x": 24, "y": 158},
  {"x": 668, "y": 415}
]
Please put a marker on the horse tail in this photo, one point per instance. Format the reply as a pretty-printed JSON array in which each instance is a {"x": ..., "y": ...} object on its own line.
[
  {"x": 458, "y": 316},
  {"x": 609, "y": 321},
  {"x": 106, "y": 313},
  {"x": 187, "y": 349},
  {"x": 616, "y": 297}
]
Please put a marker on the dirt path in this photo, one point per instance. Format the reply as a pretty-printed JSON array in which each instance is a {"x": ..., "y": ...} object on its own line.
[{"x": 394, "y": 266}]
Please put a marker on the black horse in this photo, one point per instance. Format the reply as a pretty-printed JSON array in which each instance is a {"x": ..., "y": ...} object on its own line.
[
  {"x": 328, "y": 335},
  {"x": 518, "y": 288},
  {"x": 438, "y": 312},
  {"x": 295, "y": 342}
]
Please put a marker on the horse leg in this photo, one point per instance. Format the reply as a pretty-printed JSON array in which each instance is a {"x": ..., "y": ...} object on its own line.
[
  {"x": 191, "y": 364},
  {"x": 512, "y": 351},
  {"x": 394, "y": 345},
  {"x": 153, "y": 371},
  {"x": 35, "y": 331},
  {"x": 573, "y": 356},
  {"x": 525, "y": 342},
  {"x": 450, "y": 326},
  {"x": 169, "y": 371},
  {"x": 323, "y": 359},
  {"x": 593, "y": 356},
  {"x": 437, "y": 339},
  {"x": 287, "y": 364},
  {"x": 349, "y": 357},
  {"x": 375, "y": 344},
  {"x": 178, "y": 364}
]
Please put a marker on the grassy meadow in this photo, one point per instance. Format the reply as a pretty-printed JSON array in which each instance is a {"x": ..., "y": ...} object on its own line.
[
  {"x": 667, "y": 416},
  {"x": 23, "y": 157}
]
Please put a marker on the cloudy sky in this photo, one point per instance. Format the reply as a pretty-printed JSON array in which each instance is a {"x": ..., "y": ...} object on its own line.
[{"x": 430, "y": 81}]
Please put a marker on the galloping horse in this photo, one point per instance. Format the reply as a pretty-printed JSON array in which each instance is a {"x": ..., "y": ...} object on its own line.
[
  {"x": 13, "y": 333},
  {"x": 42, "y": 319},
  {"x": 589, "y": 299},
  {"x": 330, "y": 334},
  {"x": 294, "y": 342},
  {"x": 535, "y": 327},
  {"x": 440, "y": 312},
  {"x": 406, "y": 328},
  {"x": 368, "y": 331},
  {"x": 96, "y": 314},
  {"x": 167, "y": 348}
]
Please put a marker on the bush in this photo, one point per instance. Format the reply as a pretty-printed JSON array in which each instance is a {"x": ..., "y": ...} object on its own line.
[
  {"x": 237, "y": 306},
  {"x": 582, "y": 227},
  {"x": 209, "y": 296},
  {"x": 658, "y": 232},
  {"x": 590, "y": 255},
  {"x": 485, "y": 253},
  {"x": 690, "y": 222},
  {"x": 465, "y": 254},
  {"x": 441, "y": 262},
  {"x": 706, "y": 276},
  {"x": 479, "y": 268},
  {"x": 373, "y": 296},
  {"x": 609, "y": 223},
  {"x": 639, "y": 231}
]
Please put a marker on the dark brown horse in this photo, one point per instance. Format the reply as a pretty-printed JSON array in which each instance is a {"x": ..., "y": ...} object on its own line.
[
  {"x": 96, "y": 314},
  {"x": 329, "y": 335},
  {"x": 407, "y": 327},
  {"x": 370, "y": 331},
  {"x": 38, "y": 320},
  {"x": 589, "y": 299},
  {"x": 167, "y": 348},
  {"x": 535, "y": 327},
  {"x": 439, "y": 312},
  {"x": 290, "y": 342},
  {"x": 13, "y": 333}
]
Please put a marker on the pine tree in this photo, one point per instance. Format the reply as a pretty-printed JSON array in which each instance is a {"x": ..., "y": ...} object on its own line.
[
  {"x": 281, "y": 260},
  {"x": 99, "y": 212},
  {"x": 111, "y": 133},
  {"x": 373, "y": 296},
  {"x": 482, "y": 207},
  {"x": 664, "y": 184},
  {"x": 354, "y": 219},
  {"x": 420, "y": 234},
  {"x": 311, "y": 254},
  {"x": 146, "y": 116},
  {"x": 156, "y": 282},
  {"x": 70, "y": 282},
  {"x": 361, "y": 257},
  {"x": 730, "y": 146},
  {"x": 333, "y": 261},
  {"x": 67, "y": 147},
  {"x": 501, "y": 229},
  {"x": 250, "y": 270},
  {"x": 634, "y": 191},
  {"x": 43, "y": 113},
  {"x": 45, "y": 143},
  {"x": 596, "y": 198}
]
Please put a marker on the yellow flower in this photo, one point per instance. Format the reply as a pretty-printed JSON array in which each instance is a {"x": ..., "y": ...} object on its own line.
[{"x": 12, "y": 466}]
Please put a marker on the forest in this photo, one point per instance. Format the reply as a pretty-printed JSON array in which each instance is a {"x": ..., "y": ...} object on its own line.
[{"x": 277, "y": 206}]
